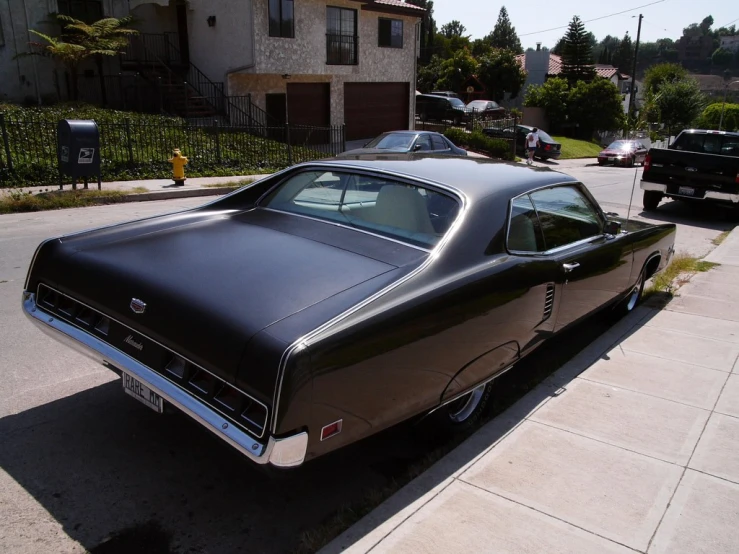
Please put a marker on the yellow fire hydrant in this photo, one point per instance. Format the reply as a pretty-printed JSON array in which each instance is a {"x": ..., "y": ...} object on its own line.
[{"x": 178, "y": 162}]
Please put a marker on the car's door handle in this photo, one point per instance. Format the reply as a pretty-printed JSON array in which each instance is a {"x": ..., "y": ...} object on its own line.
[{"x": 570, "y": 267}]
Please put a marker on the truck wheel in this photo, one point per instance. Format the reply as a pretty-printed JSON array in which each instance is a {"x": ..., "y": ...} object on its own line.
[{"x": 651, "y": 200}]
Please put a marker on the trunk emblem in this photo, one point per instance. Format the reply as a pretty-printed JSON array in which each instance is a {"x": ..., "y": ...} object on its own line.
[
  {"x": 137, "y": 345},
  {"x": 137, "y": 306},
  {"x": 691, "y": 169}
]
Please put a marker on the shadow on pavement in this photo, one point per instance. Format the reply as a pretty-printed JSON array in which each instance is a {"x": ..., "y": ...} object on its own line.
[
  {"x": 511, "y": 409},
  {"x": 118, "y": 477},
  {"x": 696, "y": 214}
]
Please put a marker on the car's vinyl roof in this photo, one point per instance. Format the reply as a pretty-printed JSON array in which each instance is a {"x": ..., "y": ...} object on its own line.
[{"x": 473, "y": 177}]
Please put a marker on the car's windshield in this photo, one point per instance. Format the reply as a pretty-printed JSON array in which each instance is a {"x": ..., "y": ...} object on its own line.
[
  {"x": 394, "y": 141},
  {"x": 456, "y": 102},
  {"x": 621, "y": 145},
  {"x": 413, "y": 214},
  {"x": 477, "y": 104}
]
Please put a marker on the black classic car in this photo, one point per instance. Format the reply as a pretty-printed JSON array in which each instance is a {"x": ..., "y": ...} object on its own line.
[{"x": 337, "y": 298}]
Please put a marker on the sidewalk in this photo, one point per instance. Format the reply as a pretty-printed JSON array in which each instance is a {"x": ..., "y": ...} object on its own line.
[
  {"x": 156, "y": 189},
  {"x": 631, "y": 446}
]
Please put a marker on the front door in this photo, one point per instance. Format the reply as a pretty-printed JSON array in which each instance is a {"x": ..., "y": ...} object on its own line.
[{"x": 594, "y": 267}]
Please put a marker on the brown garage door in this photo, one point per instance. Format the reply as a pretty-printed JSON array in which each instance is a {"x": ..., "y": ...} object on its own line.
[{"x": 373, "y": 108}]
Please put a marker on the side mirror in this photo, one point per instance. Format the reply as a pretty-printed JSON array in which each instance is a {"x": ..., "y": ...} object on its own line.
[
  {"x": 417, "y": 147},
  {"x": 612, "y": 227}
]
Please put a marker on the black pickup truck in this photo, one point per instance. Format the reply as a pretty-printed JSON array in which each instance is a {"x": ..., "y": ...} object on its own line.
[{"x": 699, "y": 165}]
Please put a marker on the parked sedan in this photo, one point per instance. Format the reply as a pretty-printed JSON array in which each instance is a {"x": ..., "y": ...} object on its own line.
[
  {"x": 623, "y": 152},
  {"x": 318, "y": 306},
  {"x": 486, "y": 108},
  {"x": 548, "y": 147},
  {"x": 407, "y": 141}
]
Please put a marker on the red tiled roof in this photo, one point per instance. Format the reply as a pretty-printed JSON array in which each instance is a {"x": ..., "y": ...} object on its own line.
[
  {"x": 399, "y": 4},
  {"x": 555, "y": 66}
]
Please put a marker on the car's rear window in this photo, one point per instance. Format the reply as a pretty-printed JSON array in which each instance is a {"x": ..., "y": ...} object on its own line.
[
  {"x": 388, "y": 141},
  {"x": 413, "y": 214},
  {"x": 708, "y": 143}
]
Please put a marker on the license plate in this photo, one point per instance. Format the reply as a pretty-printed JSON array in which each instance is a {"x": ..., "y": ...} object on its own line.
[
  {"x": 687, "y": 191},
  {"x": 141, "y": 392},
  {"x": 611, "y": 159}
]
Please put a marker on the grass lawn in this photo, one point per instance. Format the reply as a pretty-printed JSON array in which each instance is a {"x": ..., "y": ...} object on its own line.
[{"x": 572, "y": 148}]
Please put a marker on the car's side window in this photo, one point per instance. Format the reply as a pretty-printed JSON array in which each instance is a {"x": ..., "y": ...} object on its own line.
[
  {"x": 439, "y": 143},
  {"x": 565, "y": 216},
  {"x": 423, "y": 143},
  {"x": 524, "y": 233}
]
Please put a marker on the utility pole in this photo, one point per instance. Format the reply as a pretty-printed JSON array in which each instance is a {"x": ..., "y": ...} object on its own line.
[{"x": 633, "y": 72}]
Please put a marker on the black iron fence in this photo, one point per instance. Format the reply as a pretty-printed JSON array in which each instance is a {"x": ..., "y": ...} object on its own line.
[
  {"x": 136, "y": 149},
  {"x": 471, "y": 120}
]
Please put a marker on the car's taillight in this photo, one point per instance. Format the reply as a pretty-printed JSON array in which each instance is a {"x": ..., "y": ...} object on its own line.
[
  {"x": 548, "y": 147},
  {"x": 737, "y": 179},
  {"x": 648, "y": 163}
]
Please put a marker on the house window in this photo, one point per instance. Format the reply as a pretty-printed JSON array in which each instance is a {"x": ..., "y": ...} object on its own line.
[
  {"x": 84, "y": 10},
  {"x": 390, "y": 34},
  {"x": 281, "y": 18},
  {"x": 341, "y": 36}
]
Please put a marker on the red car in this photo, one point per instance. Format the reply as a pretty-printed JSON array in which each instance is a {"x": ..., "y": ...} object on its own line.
[{"x": 623, "y": 152}]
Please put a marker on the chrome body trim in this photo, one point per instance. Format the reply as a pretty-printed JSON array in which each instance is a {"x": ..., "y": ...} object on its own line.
[
  {"x": 302, "y": 342},
  {"x": 198, "y": 366},
  {"x": 710, "y": 194},
  {"x": 283, "y": 452}
]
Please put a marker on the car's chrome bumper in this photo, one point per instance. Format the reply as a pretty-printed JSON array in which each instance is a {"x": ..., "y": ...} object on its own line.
[
  {"x": 709, "y": 195},
  {"x": 280, "y": 452}
]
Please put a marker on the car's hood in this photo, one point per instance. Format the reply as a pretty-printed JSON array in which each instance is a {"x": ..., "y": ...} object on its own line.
[{"x": 209, "y": 283}]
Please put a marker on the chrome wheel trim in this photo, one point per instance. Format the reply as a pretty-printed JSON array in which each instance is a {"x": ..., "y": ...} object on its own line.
[
  {"x": 472, "y": 402},
  {"x": 634, "y": 296}
]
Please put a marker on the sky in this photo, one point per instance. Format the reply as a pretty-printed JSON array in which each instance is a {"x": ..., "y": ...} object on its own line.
[{"x": 533, "y": 18}]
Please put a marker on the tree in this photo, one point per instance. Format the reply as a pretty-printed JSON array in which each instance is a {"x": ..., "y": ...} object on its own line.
[
  {"x": 623, "y": 58},
  {"x": 712, "y": 116},
  {"x": 69, "y": 55},
  {"x": 722, "y": 57},
  {"x": 595, "y": 106},
  {"x": 428, "y": 29},
  {"x": 678, "y": 104},
  {"x": 79, "y": 41},
  {"x": 106, "y": 37},
  {"x": 504, "y": 34},
  {"x": 453, "y": 29},
  {"x": 559, "y": 47},
  {"x": 500, "y": 72},
  {"x": 605, "y": 49},
  {"x": 455, "y": 70},
  {"x": 577, "y": 58},
  {"x": 552, "y": 97},
  {"x": 480, "y": 47},
  {"x": 660, "y": 74},
  {"x": 429, "y": 74}
]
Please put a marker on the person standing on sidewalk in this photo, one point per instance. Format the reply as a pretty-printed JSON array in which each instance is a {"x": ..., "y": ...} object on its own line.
[{"x": 532, "y": 141}]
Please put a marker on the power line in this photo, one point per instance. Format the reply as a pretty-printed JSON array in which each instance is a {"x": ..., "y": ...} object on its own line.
[
  {"x": 595, "y": 19},
  {"x": 729, "y": 23}
]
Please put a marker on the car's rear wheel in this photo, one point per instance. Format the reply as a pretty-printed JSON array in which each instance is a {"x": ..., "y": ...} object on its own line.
[
  {"x": 463, "y": 413},
  {"x": 651, "y": 199},
  {"x": 632, "y": 299}
]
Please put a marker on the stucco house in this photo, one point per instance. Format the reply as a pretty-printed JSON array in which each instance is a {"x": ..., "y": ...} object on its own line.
[{"x": 310, "y": 62}]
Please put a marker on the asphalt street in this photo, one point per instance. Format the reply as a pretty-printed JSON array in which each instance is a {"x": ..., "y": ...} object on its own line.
[{"x": 81, "y": 462}]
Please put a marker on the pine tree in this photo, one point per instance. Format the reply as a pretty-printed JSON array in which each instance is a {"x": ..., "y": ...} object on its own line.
[
  {"x": 577, "y": 56},
  {"x": 504, "y": 34},
  {"x": 623, "y": 58}
]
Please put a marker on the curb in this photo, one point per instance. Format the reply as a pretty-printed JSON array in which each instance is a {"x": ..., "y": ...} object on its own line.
[{"x": 169, "y": 195}]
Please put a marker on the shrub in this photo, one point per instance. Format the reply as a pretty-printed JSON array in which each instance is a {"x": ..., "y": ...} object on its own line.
[{"x": 479, "y": 142}]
